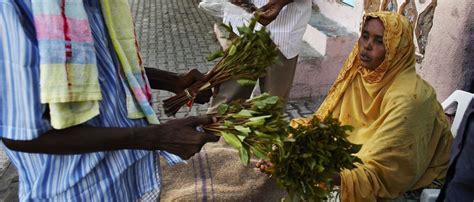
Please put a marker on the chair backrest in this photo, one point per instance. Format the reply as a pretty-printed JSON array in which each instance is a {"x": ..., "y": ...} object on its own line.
[{"x": 461, "y": 103}]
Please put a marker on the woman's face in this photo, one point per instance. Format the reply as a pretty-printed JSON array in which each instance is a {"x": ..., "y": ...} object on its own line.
[{"x": 371, "y": 47}]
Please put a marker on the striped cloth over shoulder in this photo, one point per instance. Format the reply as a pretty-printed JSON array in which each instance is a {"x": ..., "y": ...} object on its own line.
[
  {"x": 119, "y": 21},
  {"x": 69, "y": 77},
  {"x": 123, "y": 175}
]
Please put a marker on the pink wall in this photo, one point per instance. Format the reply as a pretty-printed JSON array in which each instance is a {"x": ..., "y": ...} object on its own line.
[
  {"x": 314, "y": 76},
  {"x": 446, "y": 64},
  {"x": 448, "y": 61}
]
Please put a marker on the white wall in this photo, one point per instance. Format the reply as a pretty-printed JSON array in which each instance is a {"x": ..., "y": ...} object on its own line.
[
  {"x": 350, "y": 17},
  {"x": 345, "y": 15}
]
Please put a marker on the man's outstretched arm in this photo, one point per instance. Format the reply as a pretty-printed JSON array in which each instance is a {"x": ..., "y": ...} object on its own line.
[{"x": 177, "y": 136}]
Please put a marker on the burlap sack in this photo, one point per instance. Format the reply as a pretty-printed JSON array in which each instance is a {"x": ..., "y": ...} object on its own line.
[{"x": 216, "y": 174}]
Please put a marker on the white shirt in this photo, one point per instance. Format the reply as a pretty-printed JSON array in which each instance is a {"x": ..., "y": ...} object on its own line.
[{"x": 286, "y": 30}]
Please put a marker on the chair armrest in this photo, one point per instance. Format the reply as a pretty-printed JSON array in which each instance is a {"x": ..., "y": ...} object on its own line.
[
  {"x": 461, "y": 103},
  {"x": 429, "y": 195}
]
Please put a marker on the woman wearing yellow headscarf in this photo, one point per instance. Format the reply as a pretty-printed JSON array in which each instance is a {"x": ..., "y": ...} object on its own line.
[{"x": 405, "y": 136}]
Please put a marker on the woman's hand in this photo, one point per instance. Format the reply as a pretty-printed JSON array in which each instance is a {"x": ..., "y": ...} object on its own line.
[{"x": 265, "y": 166}]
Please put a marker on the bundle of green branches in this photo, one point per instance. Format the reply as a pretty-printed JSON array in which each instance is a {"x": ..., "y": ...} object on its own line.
[
  {"x": 306, "y": 166},
  {"x": 245, "y": 60},
  {"x": 252, "y": 127},
  {"x": 305, "y": 159}
]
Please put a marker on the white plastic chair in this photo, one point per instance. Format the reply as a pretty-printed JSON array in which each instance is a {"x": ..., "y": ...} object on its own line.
[{"x": 460, "y": 103}]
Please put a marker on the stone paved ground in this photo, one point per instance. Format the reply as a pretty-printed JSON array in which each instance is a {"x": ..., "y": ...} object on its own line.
[{"x": 176, "y": 36}]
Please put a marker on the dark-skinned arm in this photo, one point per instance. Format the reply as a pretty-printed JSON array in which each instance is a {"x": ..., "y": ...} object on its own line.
[
  {"x": 270, "y": 11},
  {"x": 177, "y": 136},
  {"x": 176, "y": 83},
  {"x": 162, "y": 80}
]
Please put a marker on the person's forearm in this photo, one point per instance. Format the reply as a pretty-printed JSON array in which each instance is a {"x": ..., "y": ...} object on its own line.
[
  {"x": 162, "y": 80},
  {"x": 84, "y": 139}
]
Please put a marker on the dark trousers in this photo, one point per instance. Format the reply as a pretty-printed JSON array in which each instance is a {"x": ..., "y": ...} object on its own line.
[{"x": 459, "y": 186}]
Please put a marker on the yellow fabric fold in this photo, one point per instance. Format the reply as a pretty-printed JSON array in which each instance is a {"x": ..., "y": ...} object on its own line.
[
  {"x": 396, "y": 116},
  {"x": 72, "y": 93},
  {"x": 76, "y": 83},
  {"x": 64, "y": 115},
  {"x": 69, "y": 81}
]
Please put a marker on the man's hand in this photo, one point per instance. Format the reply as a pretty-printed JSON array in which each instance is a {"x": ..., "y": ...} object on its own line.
[
  {"x": 172, "y": 82},
  {"x": 180, "y": 136},
  {"x": 245, "y": 4},
  {"x": 186, "y": 80},
  {"x": 270, "y": 11}
]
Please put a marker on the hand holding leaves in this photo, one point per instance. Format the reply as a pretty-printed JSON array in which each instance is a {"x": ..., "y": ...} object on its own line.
[
  {"x": 186, "y": 80},
  {"x": 303, "y": 160},
  {"x": 246, "y": 60},
  {"x": 251, "y": 126},
  {"x": 307, "y": 166}
]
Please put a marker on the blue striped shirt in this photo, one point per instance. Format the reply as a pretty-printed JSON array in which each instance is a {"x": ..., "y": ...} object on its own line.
[{"x": 123, "y": 175}]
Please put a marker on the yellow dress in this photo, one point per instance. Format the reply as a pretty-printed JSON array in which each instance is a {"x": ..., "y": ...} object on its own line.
[{"x": 396, "y": 116}]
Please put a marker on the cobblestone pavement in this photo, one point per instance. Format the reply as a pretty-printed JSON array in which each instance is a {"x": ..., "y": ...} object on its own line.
[
  {"x": 177, "y": 36},
  {"x": 174, "y": 35}
]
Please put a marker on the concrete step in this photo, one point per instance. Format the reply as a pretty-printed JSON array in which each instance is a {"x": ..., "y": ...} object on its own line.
[
  {"x": 323, "y": 33},
  {"x": 333, "y": 43},
  {"x": 308, "y": 60},
  {"x": 325, "y": 48}
]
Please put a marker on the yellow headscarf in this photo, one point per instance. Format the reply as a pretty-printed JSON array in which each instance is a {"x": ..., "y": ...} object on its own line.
[{"x": 405, "y": 136}]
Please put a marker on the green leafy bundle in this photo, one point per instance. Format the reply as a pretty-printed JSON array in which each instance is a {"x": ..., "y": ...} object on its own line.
[
  {"x": 245, "y": 60},
  {"x": 305, "y": 159},
  {"x": 306, "y": 167},
  {"x": 252, "y": 126}
]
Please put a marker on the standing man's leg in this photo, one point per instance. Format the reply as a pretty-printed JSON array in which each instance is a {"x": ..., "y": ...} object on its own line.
[
  {"x": 228, "y": 91},
  {"x": 278, "y": 81},
  {"x": 279, "y": 78}
]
